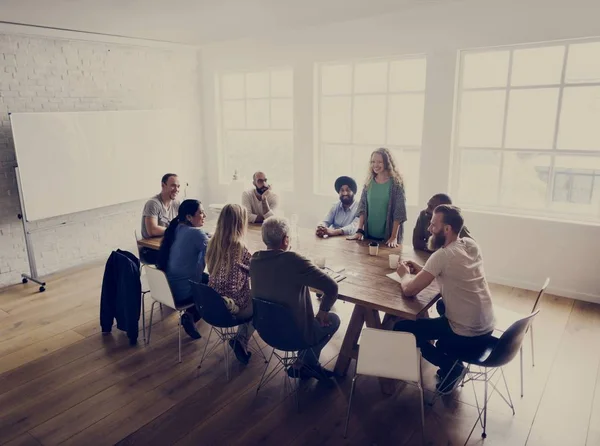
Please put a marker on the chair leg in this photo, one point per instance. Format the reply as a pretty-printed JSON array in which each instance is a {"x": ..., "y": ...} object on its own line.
[
  {"x": 485, "y": 403},
  {"x": 179, "y": 333},
  {"x": 512, "y": 406},
  {"x": 521, "y": 362},
  {"x": 350, "y": 405},
  {"x": 262, "y": 378},
  {"x": 144, "y": 317},
  {"x": 206, "y": 347},
  {"x": 532, "y": 354},
  {"x": 225, "y": 356},
  {"x": 150, "y": 325},
  {"x": 422, "y": 413}
]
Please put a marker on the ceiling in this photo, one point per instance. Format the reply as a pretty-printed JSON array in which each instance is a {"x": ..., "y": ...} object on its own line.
[{"x": 192, "y": 21}]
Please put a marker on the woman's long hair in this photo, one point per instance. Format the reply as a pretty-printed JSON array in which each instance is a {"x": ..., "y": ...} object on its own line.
[
  {"x": 186, "y": 208},
  {"x": 388, "y": 164},
  {"x": 226, "y": 246}
]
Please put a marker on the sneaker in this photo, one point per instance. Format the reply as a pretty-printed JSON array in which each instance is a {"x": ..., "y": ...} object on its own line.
[
  {"x": 188, "y": 325},
  {"x": 451, "y": 381},
  {"x": 239, "y": 351}
]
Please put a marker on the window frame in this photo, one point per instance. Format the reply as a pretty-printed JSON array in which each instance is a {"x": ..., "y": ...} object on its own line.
[{"x": 553, "y": 152}]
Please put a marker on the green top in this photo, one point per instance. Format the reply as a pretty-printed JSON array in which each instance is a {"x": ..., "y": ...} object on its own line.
[{"x": 378, "y": 197}]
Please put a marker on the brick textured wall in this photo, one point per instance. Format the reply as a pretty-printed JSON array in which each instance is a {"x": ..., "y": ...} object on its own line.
[{"x": 46, "y": 74}]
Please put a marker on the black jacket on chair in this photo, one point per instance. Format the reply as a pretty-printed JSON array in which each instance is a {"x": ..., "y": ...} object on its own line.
[{"x": 121, "y": 294}]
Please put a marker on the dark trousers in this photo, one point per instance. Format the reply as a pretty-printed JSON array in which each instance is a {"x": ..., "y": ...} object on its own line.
[{"x": 449, "y": 345}]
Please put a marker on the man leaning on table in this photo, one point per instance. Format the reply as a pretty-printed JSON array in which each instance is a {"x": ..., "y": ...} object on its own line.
[
  {"x": 469, "y": 320},
  {"x": 260, "y": 202},
  {"x": 342, "y": 218},
  {"x": 158, "y": 213},
  {"x": 284, "y": 277}
]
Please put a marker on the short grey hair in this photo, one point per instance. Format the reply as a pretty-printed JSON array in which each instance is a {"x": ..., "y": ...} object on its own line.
[{"x": 274, "y": 229}]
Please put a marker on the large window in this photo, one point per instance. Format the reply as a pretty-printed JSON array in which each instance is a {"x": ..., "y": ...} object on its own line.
[
  {"x": 527, "y": 129},
  {"x": 256, "y": 122},
  {"x": 363, "y": 105}
]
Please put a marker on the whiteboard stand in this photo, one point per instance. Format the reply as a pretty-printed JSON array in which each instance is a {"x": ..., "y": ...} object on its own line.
[{"x": 33, "y": 276}]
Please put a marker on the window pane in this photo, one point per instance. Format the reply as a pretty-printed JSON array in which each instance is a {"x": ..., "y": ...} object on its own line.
[
  {"x": 583, "y": 63},
  {"x": 479, "y": 174},
  {"x": 335, "y": 119},
  {"x": 370, "y": 77},
  {"x": 405, "y": 119},
  {"x": 233, "y": 86},
  {"x": 257, "y": 114},
  {"x": 282, "y": 114},
  {"x": 531, "y": 118},
  {"x": 361, "y": 162},
  {"x": 538, "y": 66},
  {"x": 408, "y": 163},
  {"x": 234, "y": 115},
  {"x": 257, "y": 85},
  {"x": 525, "y": 180},
  {"x": 238, "y": 154},
  {"x": 278, "y": 157},
  {"x": 282, "y": 84},
  {"x": 580, "y": 119},
  {"x": 485, "y": 69},
  {"x": 336, "y": 79},
  {"x": 368, "y": 122},
  {"x": 576, "y": 185},
  {"x": 481, "y": 118},
  {"x": 335, "y": 162},
  {"x": 408, "y": 75}
]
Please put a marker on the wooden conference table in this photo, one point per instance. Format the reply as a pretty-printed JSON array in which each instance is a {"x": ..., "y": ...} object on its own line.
[{"x": 365, "y": 285}]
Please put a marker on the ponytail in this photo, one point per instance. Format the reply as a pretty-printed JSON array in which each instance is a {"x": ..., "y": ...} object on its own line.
[{"x": 188, "y": 207}]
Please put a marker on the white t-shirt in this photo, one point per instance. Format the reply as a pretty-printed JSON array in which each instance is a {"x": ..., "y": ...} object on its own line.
[{"x": 459, "y": 271}]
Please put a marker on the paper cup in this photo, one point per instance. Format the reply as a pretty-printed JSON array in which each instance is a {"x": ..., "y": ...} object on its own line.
[
  {"x": 394, "y": 259},
  {"x": 373, "y": 249}
]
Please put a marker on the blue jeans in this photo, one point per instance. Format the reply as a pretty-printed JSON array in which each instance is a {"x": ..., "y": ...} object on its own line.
[{"x": 323, "y": 334}]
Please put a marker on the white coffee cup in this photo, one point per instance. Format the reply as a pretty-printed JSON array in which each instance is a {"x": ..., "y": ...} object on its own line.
[
  {"x": 373, "y": 248},
  {"x": 320, "y": 262},
  {"x": 394, "y": 259}
]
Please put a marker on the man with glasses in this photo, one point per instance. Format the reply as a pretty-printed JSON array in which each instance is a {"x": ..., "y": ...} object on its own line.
[{"x": 260, "y": 201}]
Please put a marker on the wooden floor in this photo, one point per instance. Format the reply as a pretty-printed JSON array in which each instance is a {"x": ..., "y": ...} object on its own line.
[{"x": 62, "y": 382}]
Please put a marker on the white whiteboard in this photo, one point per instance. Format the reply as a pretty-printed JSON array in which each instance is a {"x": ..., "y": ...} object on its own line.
[{"x": 72, "y": 162}]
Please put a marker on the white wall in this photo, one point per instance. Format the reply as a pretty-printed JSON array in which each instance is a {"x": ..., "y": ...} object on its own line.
[
  {"x": 60, "y": 72},
  {"x": 518, "y": 251}
]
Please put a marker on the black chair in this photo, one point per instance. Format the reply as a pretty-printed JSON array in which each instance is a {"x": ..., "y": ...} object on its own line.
[
  {"x": 276, "y": 326},
  {"x": 214, "y": 311},
  {"x": 494, "y": 355}
]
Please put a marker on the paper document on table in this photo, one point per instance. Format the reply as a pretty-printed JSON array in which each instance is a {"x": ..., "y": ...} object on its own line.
[{"x": 395, "y": 277}]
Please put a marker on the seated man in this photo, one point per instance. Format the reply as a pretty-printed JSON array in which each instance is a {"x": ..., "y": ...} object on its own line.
[
  {"x": 421, "y": 232},
  {"x": 458, "y": 266},
  {"x": 260, "y": 202},
  {"x": 158, "y": 213},
  {"x": 283, "y": 276},
  {"x": 342, "y": 218}
]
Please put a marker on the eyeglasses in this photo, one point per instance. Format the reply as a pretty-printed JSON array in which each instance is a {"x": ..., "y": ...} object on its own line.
[{"x": 260, "y": 180}]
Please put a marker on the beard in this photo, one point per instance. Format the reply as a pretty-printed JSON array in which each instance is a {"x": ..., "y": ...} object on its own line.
[
  {"x": 261, "y": 190},
  {"x": 347, "y": 200},
  {"x": 436, "y": 241}
]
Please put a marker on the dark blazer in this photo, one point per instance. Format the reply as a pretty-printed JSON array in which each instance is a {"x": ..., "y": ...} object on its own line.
[{"x": 121, "y": 294}]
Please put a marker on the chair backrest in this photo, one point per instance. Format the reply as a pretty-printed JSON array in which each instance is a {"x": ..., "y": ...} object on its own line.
[
  {"x": 389, "y": 354},
  {"x": 509, "y": 343},
  {"x": 159, "y": 286},
  {"x": 276, "y": 326},
  {"x": 541, "y": 294},
  {"x": 212, "y": 306}
]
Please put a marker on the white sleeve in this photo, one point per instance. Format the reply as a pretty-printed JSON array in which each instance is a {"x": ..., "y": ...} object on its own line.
[
  {"x": 247, "y": 203},
  {"x": 436, "y": 263}
]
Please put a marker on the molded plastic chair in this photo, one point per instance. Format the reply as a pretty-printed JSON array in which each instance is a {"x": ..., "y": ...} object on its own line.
[
  {"x": 389, "y": 354},
  {"x": 496, "y": 354},
  {"x": 214, "y": 312},
  {"x": 160, "y": 292}
]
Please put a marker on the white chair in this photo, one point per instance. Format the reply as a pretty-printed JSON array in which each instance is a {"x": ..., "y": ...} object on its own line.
[
  {"x": 505, "y": 318},
  {"x": 160, "y": 292},
  {"x": 145, "y": 287},
  {"x": 389, "y": 354}
]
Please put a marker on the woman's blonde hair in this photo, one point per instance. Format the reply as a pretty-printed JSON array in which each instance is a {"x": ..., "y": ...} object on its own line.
[
  {"x": 388, "y": 164},
  {"x": 226, "y": 246}
]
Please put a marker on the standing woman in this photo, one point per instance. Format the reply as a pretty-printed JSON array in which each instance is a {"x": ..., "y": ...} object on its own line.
[
  {"x": 382, "y": 207},
  {"x": 228, "y": 262},
  {"x": 181, "y": 257}
]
